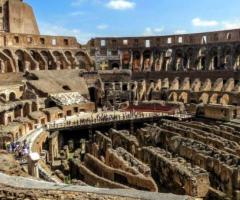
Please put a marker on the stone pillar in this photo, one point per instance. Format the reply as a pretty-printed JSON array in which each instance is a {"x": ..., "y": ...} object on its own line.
[
  {"x": 131, "y": 61},
  {"x": 219, "y": 57},
  {"x": 121, "y": 59},
  {"x": 2, "y": 66},
  {"x": 53, "y": 147},
  {"x": 151, "y": 61},
  {"x": 33, "y": 159},
  {"x": 141, "y": 61}
]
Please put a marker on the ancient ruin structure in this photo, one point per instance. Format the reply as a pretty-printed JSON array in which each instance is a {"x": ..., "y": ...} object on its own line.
[{"x": 156, "y": 117}]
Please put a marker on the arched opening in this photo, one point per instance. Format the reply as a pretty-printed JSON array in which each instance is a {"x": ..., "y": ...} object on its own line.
[
  {"x": 173, "y": 97},
  {"x": 59, "y": 61},
  {"x": 167, "y": 59},
  {"x": 34, "y": 107},
  {"x": 93, "y": 94},
  {"x": 227, "y": 58},
  {"x": 213, "y": 65},
  {"x": 189, "y": 59},
  {"x": 12, "y": 96},
  {"x": 70, "y": 58},
  {"x": 237, "y": 58},
  {"x": 204, "y": 98},
  {"x": 225, "y": 99},
  {"x": 7, "y": 61},
  {"x": 147, "y": 60},
  {"x": 183, "y": 97},
  {"x": 115, "y": 66},
  {"x": 48, "y": 58},
  {"x": 126, "y": 57},
  {"x": 136, "y": 61},
  {"x": 18, "y": 111},
  {"x": 69, "y": 113},
  {"x": 37, "y": 57},
  {"x": 178, "y": 60},
  {"x": 20, "y": 60},
  {"x": 201, "y": 59},
  {"x": 66, "y": 87},
  {"x": 83, "y": 60},
  {"x": 26, "y": 110}
]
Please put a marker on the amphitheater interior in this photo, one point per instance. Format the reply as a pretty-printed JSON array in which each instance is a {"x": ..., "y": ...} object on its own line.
[{"x": 123, "y": 118}]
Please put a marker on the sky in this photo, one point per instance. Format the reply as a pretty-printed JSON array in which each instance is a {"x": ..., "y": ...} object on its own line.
[{"x": 87, "y": 19}]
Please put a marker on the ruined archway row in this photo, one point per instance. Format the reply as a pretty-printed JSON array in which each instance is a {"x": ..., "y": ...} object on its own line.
[
  {"x": 220, "y": 91},
  {"x": 209, "y": 57},
  {"x": 21, "y": 60}
]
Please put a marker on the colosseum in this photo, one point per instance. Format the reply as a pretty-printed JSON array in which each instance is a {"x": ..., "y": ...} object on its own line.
[{"x": 120, "y": 118}]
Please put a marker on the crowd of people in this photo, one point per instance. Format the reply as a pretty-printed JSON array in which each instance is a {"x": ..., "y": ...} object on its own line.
[
  {"x": 106, "y": 117},
  {"x": 19, "y": 149}
]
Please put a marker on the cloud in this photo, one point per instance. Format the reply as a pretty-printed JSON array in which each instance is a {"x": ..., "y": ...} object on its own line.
[
  {"x": 102, "y": 26},
  {"x": 77, "y": 2},
  {"x": 152, "y": 31},
  {"x": 77, "y": 13},
  {"x": 231, "y": 24},
  {"x": 58, "y": 30},
  {"x": 180, "y": 31},
  {"x": 121, "y": 4},
  {"x": 204, "y": 23}
]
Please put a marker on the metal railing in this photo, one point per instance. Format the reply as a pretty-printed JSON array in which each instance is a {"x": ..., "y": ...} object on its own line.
[{"x": 111, "y": 119}]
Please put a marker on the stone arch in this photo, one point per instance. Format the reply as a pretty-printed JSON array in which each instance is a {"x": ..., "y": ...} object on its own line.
[
  {"x": 26, "y": 109},
  {"x": 207, "y": 85},
  {"x": 196, "y": 85},
  {"x": 201, "y": 59},
  {"x": 34, "y": 106},
  {"x": 237, "y": 58},
  {"x": 204, "y": 98},
  {"x": 225, "y": 99},
  {"x": 213, "y": 59},
  {"x": 39, "y": 59},
  {"x": 167, "y": 59},
  {"x": 229, "y": 85},
  {"x": 51, "y": 65},
  {"x": 6, "y": 64},
  {"x": 189, "y": 59},
  {"x": 58, "y": 59},
  {"x": 136, "y": 61},
  {"x": 214, "y": 98},
  {"x": 115, "y": 65},
  {"x": 179, "y": 57},
  {"x": 126, "y": 58},
  {"x": 157, "y": 57},
  {"x": 173, "y": 97},
  {"x": 20, "y": 60},
  {"x": 183, "y": 97},
  {"x": 84, "y": 61},
  {"x": 147, "y": 56},
  {"x": 18, "y": 111},
  {"x": 218, "y": 85},
  {"x": 12, "y": 96},
  {"x": 70, "y": 58},
  {"x": 175, "y": 84},
  {"x": 186, "y": 84},
  {"x": 226, "y": 57}
]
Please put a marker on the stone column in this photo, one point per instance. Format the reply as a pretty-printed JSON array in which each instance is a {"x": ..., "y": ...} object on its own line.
[
  {"x": 53, "y": 147},
  {"x": 121, "y": 59},
  {"x": 219, "y": 57},
  {"x": 33, "y": 159},
  {"x": 131, "y": 61},
  {"x": 151, "y": 61},
  {"x": 141, "y": 61}
]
